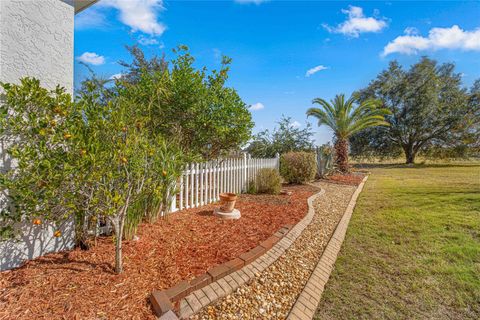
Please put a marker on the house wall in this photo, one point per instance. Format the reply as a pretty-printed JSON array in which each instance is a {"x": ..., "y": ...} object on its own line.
[{"x": 36, "y": 40}]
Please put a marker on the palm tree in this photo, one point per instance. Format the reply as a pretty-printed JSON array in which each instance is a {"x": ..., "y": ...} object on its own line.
[{"x": 345, "y": 119}]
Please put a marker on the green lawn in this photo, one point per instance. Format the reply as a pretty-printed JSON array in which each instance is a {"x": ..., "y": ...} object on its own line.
[{"x": 412, "y": 249}]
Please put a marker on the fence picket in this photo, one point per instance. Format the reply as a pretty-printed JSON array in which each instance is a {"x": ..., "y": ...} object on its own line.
[
  {"x": 180, "y": 204},
  {"x": 202, "y": 183},
  {"x": 235, "y": 186},
  {"x": 220, "y": 181},
  {"x": 214, "y": 181},
  {"x": 210, "y": 181}
]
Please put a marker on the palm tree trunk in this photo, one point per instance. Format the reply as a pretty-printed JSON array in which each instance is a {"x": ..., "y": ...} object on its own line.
[{"x": 341, "y": 155}]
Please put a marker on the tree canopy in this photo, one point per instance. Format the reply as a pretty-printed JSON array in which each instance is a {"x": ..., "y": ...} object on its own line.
[
  {"x": 192, "y": 107},
  {"x": 284, "y": 138},
  {"x": 429, "y": 108}
]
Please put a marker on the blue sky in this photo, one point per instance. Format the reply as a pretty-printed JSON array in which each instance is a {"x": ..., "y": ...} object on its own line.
[{"x": 285, "y": 53}]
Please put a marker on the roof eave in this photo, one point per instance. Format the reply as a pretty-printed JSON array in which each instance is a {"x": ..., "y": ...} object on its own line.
[{"x": 81, "y": 5}]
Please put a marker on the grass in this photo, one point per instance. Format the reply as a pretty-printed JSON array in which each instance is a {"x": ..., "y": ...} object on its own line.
[{"x": 412, "y": 249}]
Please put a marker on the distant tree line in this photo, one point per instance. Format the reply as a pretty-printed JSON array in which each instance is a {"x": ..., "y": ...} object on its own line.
[{"x": 431, "y": 113}]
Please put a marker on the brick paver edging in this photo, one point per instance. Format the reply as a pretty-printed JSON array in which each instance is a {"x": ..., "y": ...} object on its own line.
[
  {"x": 308, "y": 300},
  {"x": 254, "y": 262}
]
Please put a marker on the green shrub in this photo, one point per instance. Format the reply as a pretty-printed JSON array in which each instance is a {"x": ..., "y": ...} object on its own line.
[
  {"x": 298, "y": 167},
  {"x": 267, "y": 181},
  {"x": 251, "y": 187}
]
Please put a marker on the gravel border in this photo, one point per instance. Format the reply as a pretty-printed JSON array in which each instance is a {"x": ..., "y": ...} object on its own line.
[
  {"x": 272, "y": 291},
  {"x": 223, "y": 287},
  {"x": 308, "y": 300}
]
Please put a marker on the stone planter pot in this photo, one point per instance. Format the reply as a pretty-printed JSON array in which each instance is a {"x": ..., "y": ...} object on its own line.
[{"x": 227, "y": 202}]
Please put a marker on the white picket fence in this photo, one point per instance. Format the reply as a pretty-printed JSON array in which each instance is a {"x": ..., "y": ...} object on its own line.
[{"x": 202, "y": 183}]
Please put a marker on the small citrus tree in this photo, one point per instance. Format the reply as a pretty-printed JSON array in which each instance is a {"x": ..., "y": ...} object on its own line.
[
  {"x": 86, "y": 159},
  {"x": 34, "y": 131},
  {"x": 117, "y": 148},
  {"x": 135, "y": 170}
]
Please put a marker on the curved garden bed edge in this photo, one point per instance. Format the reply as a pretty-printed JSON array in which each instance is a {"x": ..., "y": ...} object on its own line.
[{"x": 188, "y": 297}]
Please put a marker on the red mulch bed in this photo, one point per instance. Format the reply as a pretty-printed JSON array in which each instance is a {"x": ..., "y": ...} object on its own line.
[
  {"x": 351, "y": 178},
  {"x": 81, "y": 284}
]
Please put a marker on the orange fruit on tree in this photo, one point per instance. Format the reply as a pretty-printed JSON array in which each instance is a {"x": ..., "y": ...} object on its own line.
[
  {"x": 57, "y": 233},
  {"x": 67, "y": 136},
  {"x": 164, "y": 173},
  {"x": 124, "y": 129},
  {"x": 37, "y": 222}
]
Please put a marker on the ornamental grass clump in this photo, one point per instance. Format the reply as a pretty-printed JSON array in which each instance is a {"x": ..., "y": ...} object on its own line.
[
  {"x": 298, "y": 167},
  {"x": 268, "y": 181}
]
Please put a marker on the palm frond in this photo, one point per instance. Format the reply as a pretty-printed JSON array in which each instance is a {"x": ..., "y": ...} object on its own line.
[{"x": 345, "y": 117}]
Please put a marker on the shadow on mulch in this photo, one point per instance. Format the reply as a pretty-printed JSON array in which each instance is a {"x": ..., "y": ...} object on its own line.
[
  {"x": 81, "y": 284},
  {"x": 205, "y": 213},
  {"x": 62, "y": 262}
]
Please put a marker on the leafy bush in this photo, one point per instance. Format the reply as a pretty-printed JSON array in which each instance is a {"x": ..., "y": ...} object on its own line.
[
  {"x": 192, "y": 107},
  {"x": 298, "y": 167},
  {"x": 266, "y": 181}
]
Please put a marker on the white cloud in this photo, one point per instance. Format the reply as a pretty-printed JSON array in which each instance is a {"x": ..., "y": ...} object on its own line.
[
  {"x": 438, "y": 38},
  {"x": 116, "y": 76},
  {"x": 296, "y": 124},
  {"x": 91, "y": 58},
  {"x": 140, "y": 15},
  {"x": 250, "y": 1},
  {"x": 357, "y": 23},
  {"x": 257, "y": 106},
  {"x": 411, "y": 31},
  {"x": 147, "y": 41},
  {"x": 315, "y": 70}
]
